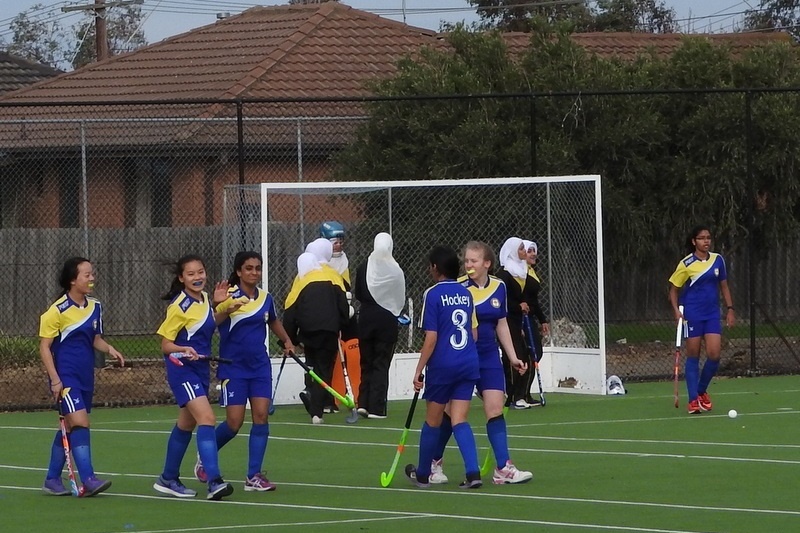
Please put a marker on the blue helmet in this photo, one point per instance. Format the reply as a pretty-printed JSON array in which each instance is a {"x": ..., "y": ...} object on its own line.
[{"x": 331, "y": 230}]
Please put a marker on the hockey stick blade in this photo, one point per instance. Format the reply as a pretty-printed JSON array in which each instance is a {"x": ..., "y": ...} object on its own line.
[
  {"x": 386, "y": 478},
  {"x": 347, "y": 402}
]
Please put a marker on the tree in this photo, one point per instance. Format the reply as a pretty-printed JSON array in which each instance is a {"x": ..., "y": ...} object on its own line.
[
  {"x": 668, "y": 161},
  {"x": 123, "y": 26},
  {"x": 650, "y": 16},
  {"x": 775, "y": 14},
  {"x": 42, "y": 43},
  {"x": 49, "y": 43}
]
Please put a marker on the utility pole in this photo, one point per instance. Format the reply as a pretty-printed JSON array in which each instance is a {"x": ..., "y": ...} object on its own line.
[{"x": 100, "y": 29}]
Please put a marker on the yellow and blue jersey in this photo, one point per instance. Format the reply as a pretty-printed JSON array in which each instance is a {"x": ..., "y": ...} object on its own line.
[
  {"x": 490, "y": 307},
  {"x": 448, "y": 310},
  {"x": 699, "y": 283},
  {"x": 73, "y": 329},
  {"x": 244, "y": 336},
  {"x": 190, "y": 322}
]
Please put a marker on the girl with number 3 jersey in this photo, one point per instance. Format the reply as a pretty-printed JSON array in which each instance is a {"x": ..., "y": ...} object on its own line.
[
  {"x": 451, "y": 358},
  {"x": 696, "y": 284}
]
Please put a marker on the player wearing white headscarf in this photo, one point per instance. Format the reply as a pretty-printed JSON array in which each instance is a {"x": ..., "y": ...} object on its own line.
[
  {"x": 514, "y": 274},
  {"x": 315, "y": 310},
  {"x": 380, "y": 287},
  {"x": 530, "y": 295}
]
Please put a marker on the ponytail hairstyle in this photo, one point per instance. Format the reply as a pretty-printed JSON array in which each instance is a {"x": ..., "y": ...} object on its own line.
[
  {"x": 485, "y": 250},
  {"x": 69, "y": 273},
  {"x": 445, "y": 260},
  {"x": 176, "y": 286},
  {"x": 238, "y": 263},
  {"x": 690, "y": 248}
]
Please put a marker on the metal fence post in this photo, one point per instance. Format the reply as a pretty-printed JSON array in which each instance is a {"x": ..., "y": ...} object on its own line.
[
  {"x": 84, "y": 192},
  {"x": 752, "y": 256}
]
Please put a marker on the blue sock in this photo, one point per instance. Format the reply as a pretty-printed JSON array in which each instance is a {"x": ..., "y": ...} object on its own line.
[
  {"x": 176, "y": 448},
  {"x": 207, "y": 448},
  {"x": 82, "y": 452},
  {"x": 428, "y": 440},
  {"x": 57, "y": 458},
  {"x": 692, "y": 372},
  {"x": 259, "y": 435},
  {"x": 224, "y": 434},
  {"x": 466, "y": 445},
  {"x": 709, "y": 371},
  {"x": 445, "y": 431},
  {"x": 498, "y": 437}
]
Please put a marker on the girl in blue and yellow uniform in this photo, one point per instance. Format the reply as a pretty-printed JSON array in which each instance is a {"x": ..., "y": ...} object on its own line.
[
  {"x": 451, "y": 358},
  {"x": 489, "y": 294},
  {"x": 187, "y": 330},
  {"x": 70, "y": 331},
  {"x": 244, "y": 340},
  {"x": 696, "y": 284}
]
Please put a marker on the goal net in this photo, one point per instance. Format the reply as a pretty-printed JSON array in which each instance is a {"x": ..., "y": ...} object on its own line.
[{"x": 561, "y": 214}]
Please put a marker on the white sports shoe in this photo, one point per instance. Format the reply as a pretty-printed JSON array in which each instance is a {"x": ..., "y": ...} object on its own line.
[
  {"x": 510, "y": 474},
  {"x": 316, "y": 420},
  {"x": 521, "y": 404},
  {"x": 437, "y": 476}
]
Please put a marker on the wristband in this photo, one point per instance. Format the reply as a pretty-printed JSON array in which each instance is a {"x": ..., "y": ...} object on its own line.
[{"x": 730, "y": 307}]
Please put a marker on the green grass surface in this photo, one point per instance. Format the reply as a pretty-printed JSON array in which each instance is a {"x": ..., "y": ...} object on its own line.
[{"x": 631, "y": 463}]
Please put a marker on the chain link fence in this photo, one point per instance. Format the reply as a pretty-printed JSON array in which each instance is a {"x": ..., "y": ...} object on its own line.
[{"x": 134, "y": 185}]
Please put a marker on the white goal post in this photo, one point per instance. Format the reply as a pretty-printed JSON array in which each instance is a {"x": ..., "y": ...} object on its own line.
[{"x": 561, "y": 213}]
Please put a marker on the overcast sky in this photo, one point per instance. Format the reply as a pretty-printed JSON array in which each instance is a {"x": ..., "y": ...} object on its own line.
[{"x": 165, "y": 18}]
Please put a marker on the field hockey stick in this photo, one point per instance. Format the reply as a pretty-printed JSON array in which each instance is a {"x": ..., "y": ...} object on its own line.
[
  {"x": 678, "y": 338},
  {"x": 275, "y": 390},
  {"x": 487, "y": 462},
  {"x": 73, "y": 483},
  {"x": 347, "y": 402},
  {"x": 352, "y": 418},
  {"x": 175, "y": 358},
  {"x": 534, "y": 359},
  {"x": 386, "y": 479}
]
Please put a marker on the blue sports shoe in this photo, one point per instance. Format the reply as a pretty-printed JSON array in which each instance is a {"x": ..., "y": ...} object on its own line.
[
  {"x": 93, "y": 486},
  {"x": 218, "y": 489},
  {"x": 173, "y": 487},
  {"x": 55, "y": 487}
]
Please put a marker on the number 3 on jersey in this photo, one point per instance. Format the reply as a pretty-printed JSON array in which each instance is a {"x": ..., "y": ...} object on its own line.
[{"x": 459, "y": 339}]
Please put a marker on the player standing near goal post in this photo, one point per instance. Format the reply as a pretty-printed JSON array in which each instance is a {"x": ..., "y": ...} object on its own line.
[
  {"x": 380, "y": 287},
  {"x": 451, "y": 358},
  {"x": 244, "y": 340},
  {"x": 513, "y": 259},
  {"x": 696, "y": 285},
  {"x": 530, "y": 295},
  {"x": 188, "y": 328},
  {"x": 70, "y": 331},
  {"x": 315, "y": 310},
  {"x": 334, "y": 232},
  {"x": 489, "y": 295}
]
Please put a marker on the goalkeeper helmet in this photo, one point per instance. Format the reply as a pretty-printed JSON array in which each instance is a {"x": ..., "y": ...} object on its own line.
[{"x": 331, "y": 230}]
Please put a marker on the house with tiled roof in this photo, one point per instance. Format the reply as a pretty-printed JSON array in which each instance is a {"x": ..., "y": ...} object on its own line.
[
  {"x": 17, "y": 72},
  {"x": 165, "y": 163}
]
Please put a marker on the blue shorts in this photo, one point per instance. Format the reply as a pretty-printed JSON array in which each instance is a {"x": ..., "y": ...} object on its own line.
[
  {"x": 442, "y": 393},
  {"x": 187, "y": 382},
  {"x": 236, "y": 391},
  {"x": 492, "y": 379},
  {"x": 74, "y": 399},
  {"x": 700, "y": 328}
]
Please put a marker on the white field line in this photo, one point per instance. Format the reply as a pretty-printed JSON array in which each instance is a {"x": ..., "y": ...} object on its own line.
[
  {"x": 474, "y": 494},
  {"x": 394, "y": 514},
  {"x": 392, "y": 445}
]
